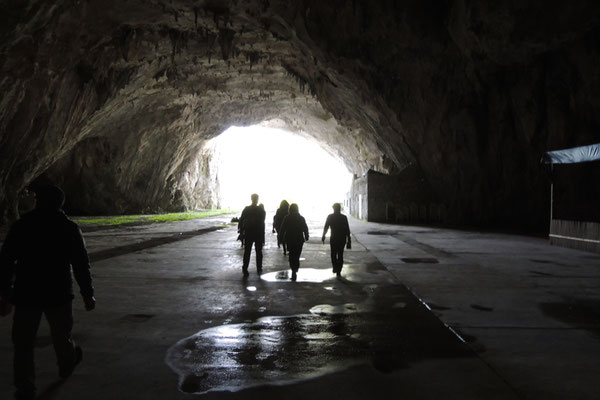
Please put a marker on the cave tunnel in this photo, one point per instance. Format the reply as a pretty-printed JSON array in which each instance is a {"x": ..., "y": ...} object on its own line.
[
  {"x": 114, "y": 102},
  {"x": 438, "y": 113}
]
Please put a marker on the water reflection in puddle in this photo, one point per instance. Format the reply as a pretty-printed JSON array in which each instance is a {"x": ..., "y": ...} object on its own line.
[
  {"x": 272, "y": 349},
  {"x": 327, "y": 309},
  {"x": 359, "y": 273},
  {"x": 389, "y": 329},
  {"x": 304, "y": 275}
]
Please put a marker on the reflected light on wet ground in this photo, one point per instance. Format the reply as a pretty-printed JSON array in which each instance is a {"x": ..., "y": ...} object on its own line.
[
  {"x": 284, "y": 349},
  {"x": 350, "y": 308},
  {"x": 351, "y": 273},
  {"x": 304, "y": 275}
]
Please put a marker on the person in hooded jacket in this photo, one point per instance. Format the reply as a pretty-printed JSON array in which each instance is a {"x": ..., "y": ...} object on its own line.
[
  {"x": 36, "y": 260},
  {"x": 294, "y": 232}
]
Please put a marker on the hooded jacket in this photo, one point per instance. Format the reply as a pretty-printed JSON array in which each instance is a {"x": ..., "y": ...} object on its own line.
[{"x": 36, "y": 260}]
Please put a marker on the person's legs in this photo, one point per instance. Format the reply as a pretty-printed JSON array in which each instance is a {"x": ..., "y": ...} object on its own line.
[
  {"x": 294, "y": 250},
  {"x": 340, "y": 257},
  {"x": 60, "y": 319},
  {"x": 26, "y": 322},
  {"x": 292, "y": 256},
  {"x": 259, "y": 255},
  {"x": 333, "y": 257},
  {"x": 247, "y": 250},
  {"x": 337, "y": 255}
]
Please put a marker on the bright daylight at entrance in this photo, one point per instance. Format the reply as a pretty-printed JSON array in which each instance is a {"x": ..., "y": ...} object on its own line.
[{"x": 277, "y": 165}]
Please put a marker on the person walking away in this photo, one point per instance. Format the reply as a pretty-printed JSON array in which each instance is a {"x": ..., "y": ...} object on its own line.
[
  {"x": 36, "y": 260},
  {"x": 294, "y": 232},
  {"x": 282, "y": 211},
  {"x": 340, "y": 237},
  {"x": 252, "y": 222}
]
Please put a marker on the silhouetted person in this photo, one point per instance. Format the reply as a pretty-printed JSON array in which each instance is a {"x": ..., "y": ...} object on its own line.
[
  {"x": 294, "y": 232},
  {"x": 280, "y": 214},
  {"x": 35, "y": 276},
  {"x": 340, "y": 237},
  {"x": 252, "y": 223}
]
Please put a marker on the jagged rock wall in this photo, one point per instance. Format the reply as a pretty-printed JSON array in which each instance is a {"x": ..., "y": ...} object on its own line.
[
  {"x": 481, "y": 89},
  {"x": 114, "y": 100},
  {"x": 151, "y": 81}
]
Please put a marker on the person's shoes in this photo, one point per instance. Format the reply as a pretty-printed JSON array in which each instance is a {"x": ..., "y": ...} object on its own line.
[
  {"x": 245, "y": 272},
  {"x": 338, "y": 274},
  {"x": 259, "y": 271},
  {"x": 65, "y": 373},
  {"x": 294, "y": 276}
]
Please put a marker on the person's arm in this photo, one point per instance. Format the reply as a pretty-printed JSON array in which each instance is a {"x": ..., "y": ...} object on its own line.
[
  {"x": 348, "y": 239},
  {"x": 81, "y": 270},
  {"x": 325, "y": 229},
  {"x": 242, "y": 220},
  {"x": 305, "y": 229},
  {"x": 347, "y": 228}
]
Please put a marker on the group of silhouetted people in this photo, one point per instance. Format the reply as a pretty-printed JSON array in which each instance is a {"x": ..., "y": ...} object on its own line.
[
  {"x": 44, "y": 247},
  {"x": 292, "y": 232}
]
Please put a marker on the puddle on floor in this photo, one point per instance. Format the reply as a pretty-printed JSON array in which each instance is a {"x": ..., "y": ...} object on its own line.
[
  {"x": 356, "y": 273},
  {"x": 383, "y": 331},
  {"x": 272, "y": 349},
  {"x": 304, "y": 275},
  {"x": 350, "y": 308}
]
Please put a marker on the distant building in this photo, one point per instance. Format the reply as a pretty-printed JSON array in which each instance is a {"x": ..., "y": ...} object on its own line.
[
  {"x": 575, "y": 197},
  {"x": 401, "y": 198}
]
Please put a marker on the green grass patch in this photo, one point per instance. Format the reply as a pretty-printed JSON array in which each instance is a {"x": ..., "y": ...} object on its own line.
[{"x": 150, "y": 218}]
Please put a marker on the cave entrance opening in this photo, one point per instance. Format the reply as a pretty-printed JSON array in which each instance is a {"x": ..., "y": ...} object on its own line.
[{"x": 277, "y": 164}]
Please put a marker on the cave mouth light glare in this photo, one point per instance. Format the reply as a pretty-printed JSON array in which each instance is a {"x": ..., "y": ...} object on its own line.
[{"x": 277, "y": 165}]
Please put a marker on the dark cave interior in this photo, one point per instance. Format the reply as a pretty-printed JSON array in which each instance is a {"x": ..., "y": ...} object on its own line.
[{"x": 115, "y": 101}]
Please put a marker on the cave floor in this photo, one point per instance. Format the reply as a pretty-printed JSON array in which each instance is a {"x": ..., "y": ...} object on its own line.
[{"x": 419, "y": 313}]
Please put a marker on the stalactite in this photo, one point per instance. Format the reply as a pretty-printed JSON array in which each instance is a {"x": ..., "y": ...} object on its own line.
[
  {"x": 125, "y": 36},
  {"x": 253, "y": 57},
  {"x": 299, "y": 79},
  {"x": 226, "y": 42},
  {"x": 218, "y": 13}
]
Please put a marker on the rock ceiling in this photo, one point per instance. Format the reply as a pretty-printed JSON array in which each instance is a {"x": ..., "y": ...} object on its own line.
[{"x": 114, "y": 100}]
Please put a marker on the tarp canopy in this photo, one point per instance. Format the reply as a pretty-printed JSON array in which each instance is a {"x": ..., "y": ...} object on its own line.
[{"x": 574, "y": 155}]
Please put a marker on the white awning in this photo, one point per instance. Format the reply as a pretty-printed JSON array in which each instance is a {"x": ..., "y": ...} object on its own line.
[{"x": 574, "y": 155}]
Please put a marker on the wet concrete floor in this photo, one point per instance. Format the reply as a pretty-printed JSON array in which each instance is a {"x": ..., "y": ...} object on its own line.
[
  {"x": 389, "y": 330},
  {"x": 419, "y": 313}
]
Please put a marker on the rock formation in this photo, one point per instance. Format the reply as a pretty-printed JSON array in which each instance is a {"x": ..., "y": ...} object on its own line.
[{"x": 115, "y": 100}]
